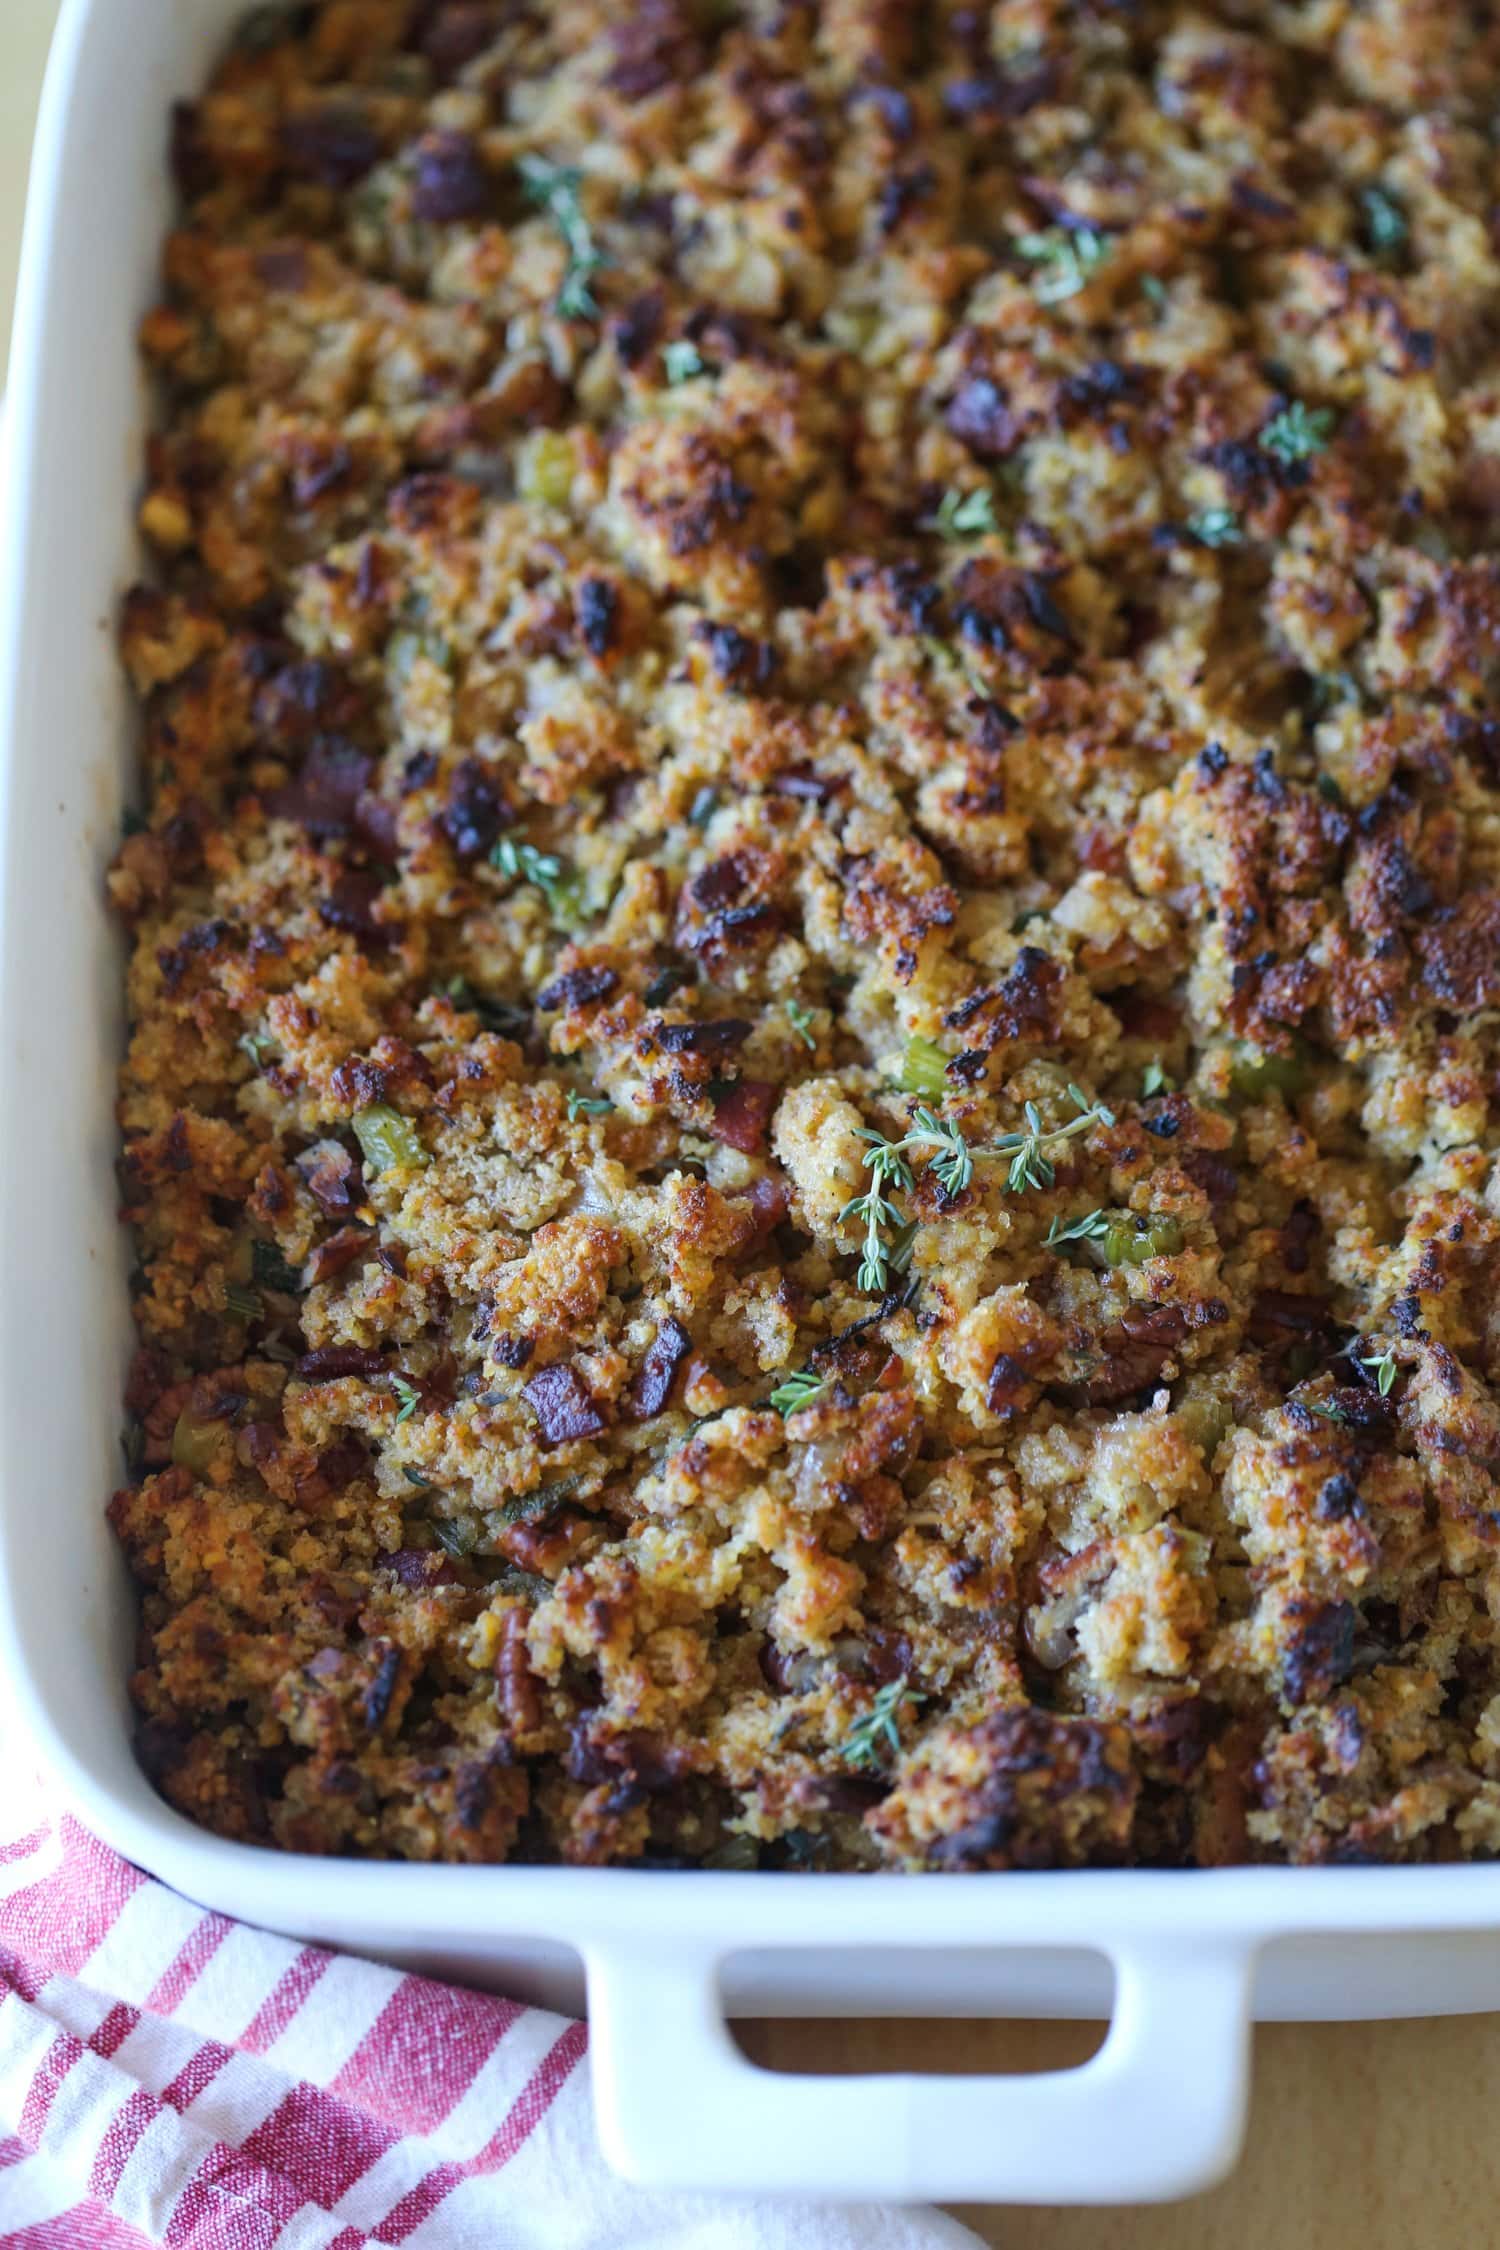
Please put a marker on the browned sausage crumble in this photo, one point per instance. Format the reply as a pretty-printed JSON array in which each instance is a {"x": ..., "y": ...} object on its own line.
[{"x": 816, "y": 949}]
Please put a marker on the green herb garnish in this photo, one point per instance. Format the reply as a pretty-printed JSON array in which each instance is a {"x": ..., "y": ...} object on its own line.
[
  {"x": 408, "y": 1396},
  {"x": 1031, "y": 1167},
  {"x": 1215, "y": 527},
  {"x": 1327, "y": 1413},
  {"x": 1386, "y": 227},
  {"x": 1331, "y": 691},
  {"x": 455, "y": 1537},
  {"x": 583, "y": 1105},
  {"x": 876, "y": 1738},
  {"x": 1154, "y": 1080},
  {"x": 503, "y": 1016},
  {"x": 242, "y": 1301},
  {"x": 683, "y": 361},
  {"x": 799, "y": 1390},
  {"x": 1092, "y": 1227},
  {"x": 1120, "y": 1237},
  {"x": 1297, "y": 432},
  {"x": 889, "y": 1235},
  {"x": 527, "y": 1506},
  {"x": 554, "y": 188},
  {"x": 953, "y": 1164},
  {"x": 800, "y": 1019},
  {"x": 258, "y": 1045},
  {"x": 527, "y": 1583},
  {"x": 876, "y": 1212},
  {"x": 525, "y": 864},
  {"x": 963, "y": 515},
  {"x": 560, "y": 888},
  {"x": 1066, "y": 259},
  {"x": 273, "y": 1271},
  {"x": 415, "y": 1476},
  {"x": 1382, "y": 1366}
]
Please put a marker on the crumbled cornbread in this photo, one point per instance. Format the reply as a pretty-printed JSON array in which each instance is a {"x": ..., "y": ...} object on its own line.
[{"x": 812, "y": 1103}]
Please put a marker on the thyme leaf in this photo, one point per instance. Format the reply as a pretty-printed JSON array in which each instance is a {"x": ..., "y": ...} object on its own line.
[
  {"x": 1215, "y": 527},
  {"x": 1066, "y": 259},
  {"x": 1090, "y": 1228},
  {"x": 798, "y": 1390},
  {"x": 554, "y": 188},
  {"x": 800, "y": 1019},
  {"x": 1386, "y": 227},
  {"x": 1382, "y": 1366},
  {"x": 1031, "y": 1166},
  {"x": 273, "y": 1271},
  {"x": 1297, "y": 432},
  {"x": 875, "y": 1739},
  {"x": 682, "y": 361},
  {"x": 963, "y": 515}
]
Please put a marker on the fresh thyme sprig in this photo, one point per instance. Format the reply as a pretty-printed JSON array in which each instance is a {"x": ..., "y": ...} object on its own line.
[
  {"x": 1066, "y": 259},
  {"x": 875, "y": 1738},
  {"x": 525, "y": 864},
  {"x": 889, "y": 1235},
  {"x": 963, "y": 515},
  {"x": 1031, "y": 1166},
  {"x": 1297, "y": 432},
  {"x": 1215, "y": 527},
  {"x": 874, "y": 1209},
  {"x": 258, "y": 1045},
  {"x": 800, "y": 1019},
  {"x": 554, "y": 189},
  {"x": 1382, "y": 1366},
  {"x": 952, "y": 1165},
  {"x": 584, "y": 1105},
  {"x": 1154, "y": 1080},
  {"x": 682, "y": 361},
  {"x": 563, "y": 891},
  {"x": 798, "y": 1390},
  {"x": 272, "y": 1270},
  {"x": 1092, "y": 1227},
  {"x": 408, "y": 1398},
  {"x": 1386, "y": 227}
]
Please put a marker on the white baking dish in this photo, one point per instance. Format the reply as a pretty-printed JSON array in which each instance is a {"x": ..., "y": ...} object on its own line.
[{"x": 1160, "y": 2109}]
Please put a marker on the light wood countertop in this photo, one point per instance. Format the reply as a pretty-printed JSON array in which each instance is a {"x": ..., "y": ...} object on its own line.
[{"x": 1363, "y": 2136}]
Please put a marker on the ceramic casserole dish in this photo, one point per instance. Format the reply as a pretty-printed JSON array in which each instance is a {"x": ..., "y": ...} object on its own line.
[{"x": 1182, "y": 1961}]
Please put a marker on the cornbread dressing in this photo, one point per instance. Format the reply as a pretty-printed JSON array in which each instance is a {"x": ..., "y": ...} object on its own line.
[{"x": 811, "y": 1114}]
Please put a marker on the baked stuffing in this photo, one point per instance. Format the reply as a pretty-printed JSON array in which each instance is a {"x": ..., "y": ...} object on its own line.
[{"x": 812, "y": 1099}]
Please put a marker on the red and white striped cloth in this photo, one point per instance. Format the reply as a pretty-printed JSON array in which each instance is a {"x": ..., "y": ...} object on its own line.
[{"x": 169, "y": 2077}]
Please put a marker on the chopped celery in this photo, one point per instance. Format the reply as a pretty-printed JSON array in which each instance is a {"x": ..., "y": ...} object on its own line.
[
  {"x": 388, "y": 1139},
  {"x": 924, "y": 1069}
]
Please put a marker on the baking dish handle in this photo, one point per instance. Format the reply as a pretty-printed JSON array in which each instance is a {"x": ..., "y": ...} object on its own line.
[{"x": 1158, "y": 2112}]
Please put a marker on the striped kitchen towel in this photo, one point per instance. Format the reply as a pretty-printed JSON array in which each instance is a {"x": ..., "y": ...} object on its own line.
[{"x": 170, "y": 2077}]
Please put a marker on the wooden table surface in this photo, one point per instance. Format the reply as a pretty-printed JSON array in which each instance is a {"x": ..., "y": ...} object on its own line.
[{"x": 1362, "y": 2137}]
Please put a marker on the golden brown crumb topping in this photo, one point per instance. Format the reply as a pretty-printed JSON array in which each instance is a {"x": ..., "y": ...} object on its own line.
[{"x": 812, "y": 1105}]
